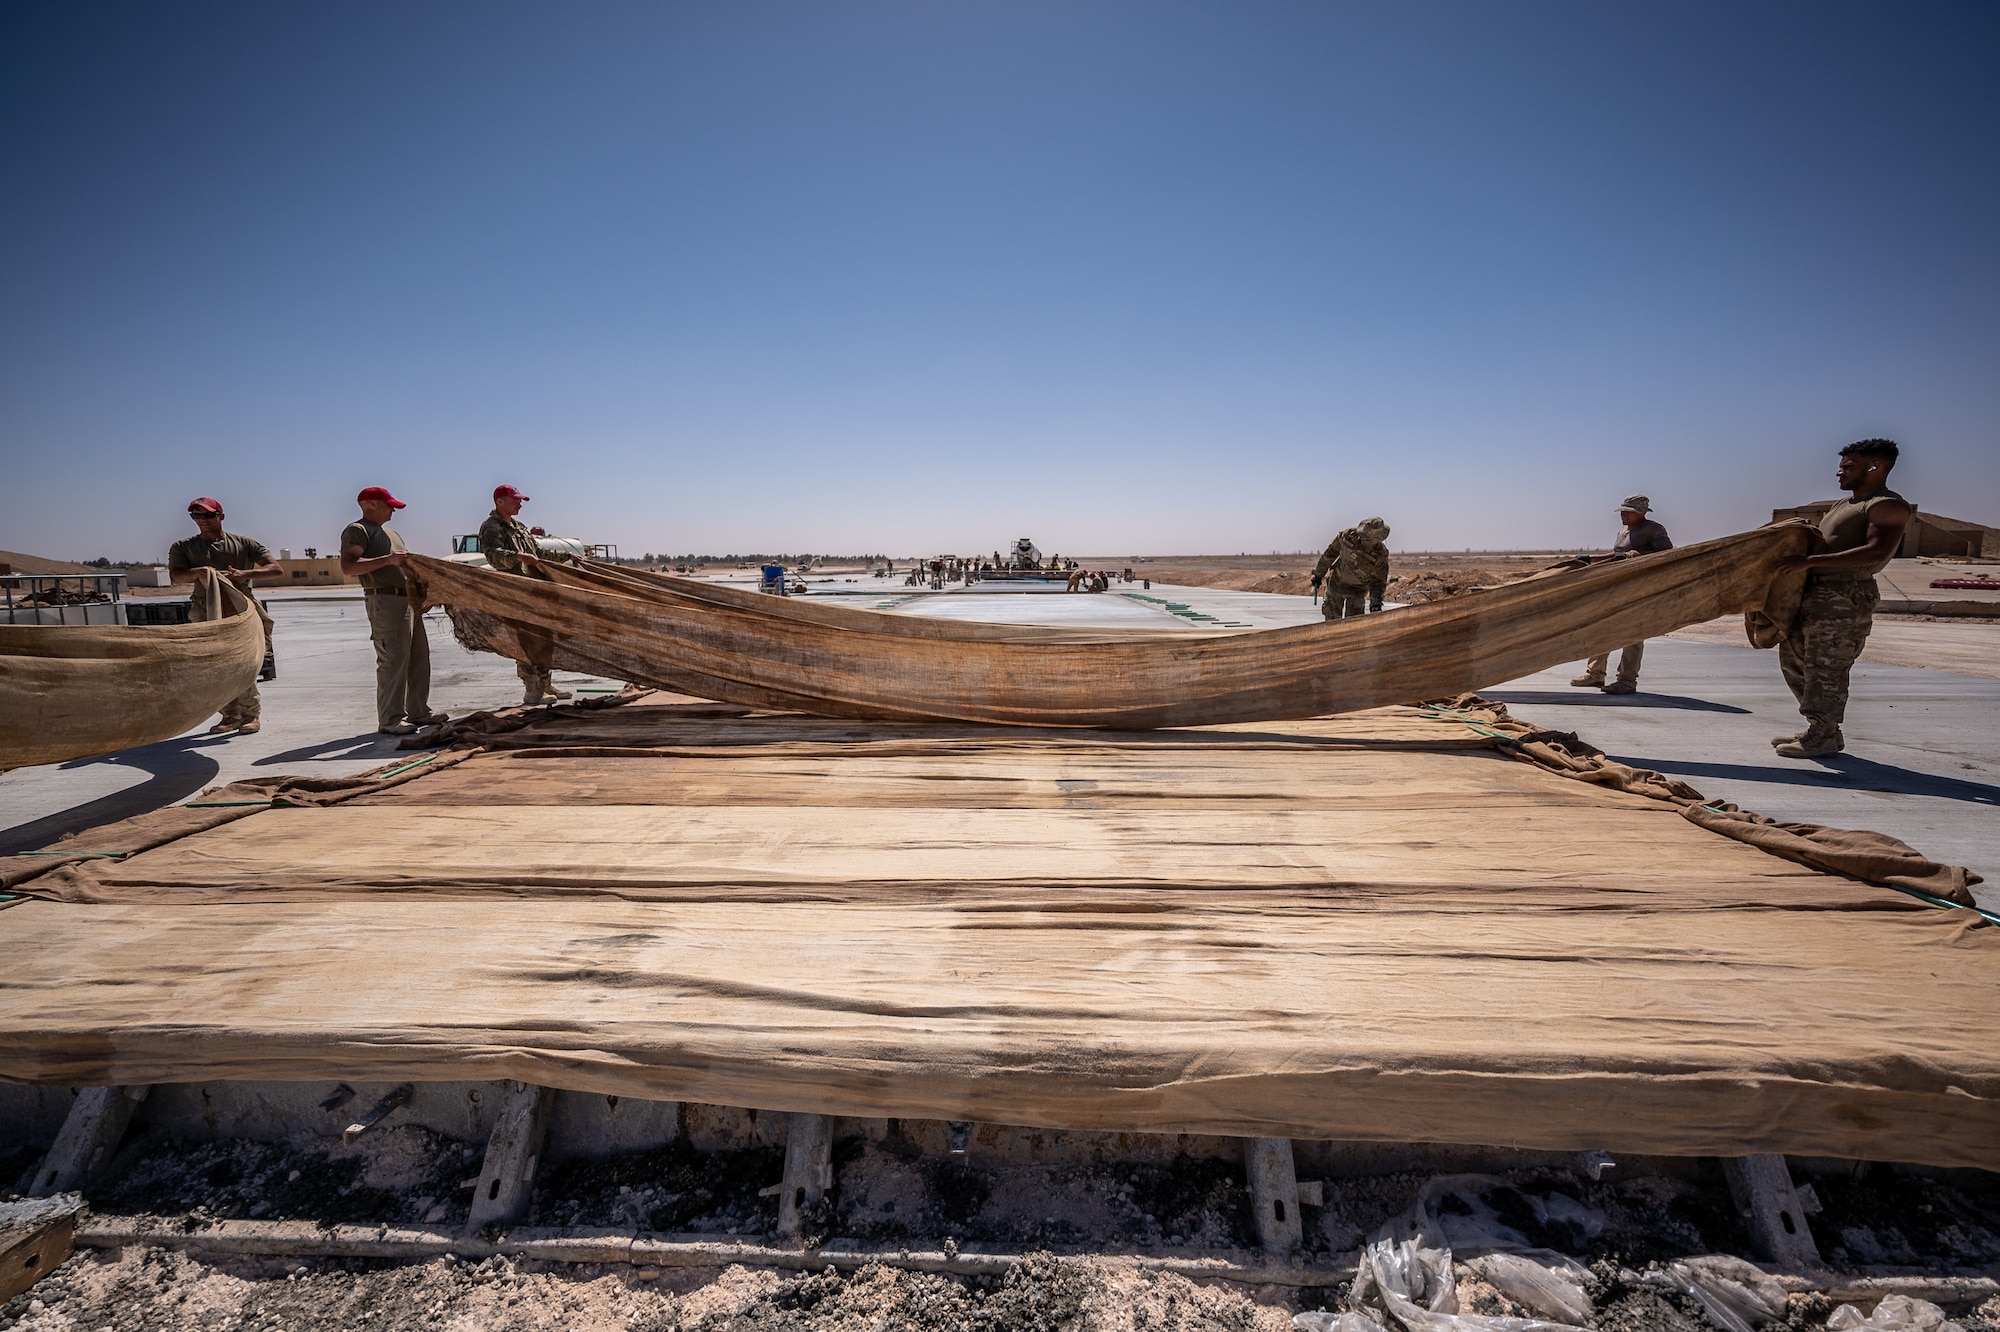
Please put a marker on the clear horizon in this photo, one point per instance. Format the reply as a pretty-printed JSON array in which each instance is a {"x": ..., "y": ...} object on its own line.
[{"x": 888, "y": 276}]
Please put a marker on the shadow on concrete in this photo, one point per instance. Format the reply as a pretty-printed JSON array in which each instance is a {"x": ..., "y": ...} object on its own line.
[
  {"x": 369, "y": 744},
  {"x": 175, "y": 770},
  {"x": 1590, "y": 698},
  {"x": 1843, "y": 771}
]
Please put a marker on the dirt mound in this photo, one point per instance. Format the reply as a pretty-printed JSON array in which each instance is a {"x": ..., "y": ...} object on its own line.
[
  {"x": 1435, "y": 585},
  {"x": 1420, "y": 586},
  {"x": 35, "y": 564}
]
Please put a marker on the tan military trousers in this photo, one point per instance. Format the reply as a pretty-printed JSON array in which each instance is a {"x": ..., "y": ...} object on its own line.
[
  {"x": 1628, "y": 664},
  {"x": 402, "y": 659}
]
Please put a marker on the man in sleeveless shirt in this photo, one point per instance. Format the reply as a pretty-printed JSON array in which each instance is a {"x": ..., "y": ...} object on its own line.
[
  {"x": 1837, "y": 609},
  {"x": 510, "y": 547},
  {"x": 373, "y": 553},
  {"x": 242, "y": 560},
  {"x": 1640, "y": 535}
]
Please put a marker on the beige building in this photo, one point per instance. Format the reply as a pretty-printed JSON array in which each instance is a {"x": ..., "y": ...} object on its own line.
[{"x": 321, "y": 572}]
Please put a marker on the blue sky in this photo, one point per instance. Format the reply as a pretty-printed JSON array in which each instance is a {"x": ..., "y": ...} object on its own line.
[{"x": 1147, "y": 277}]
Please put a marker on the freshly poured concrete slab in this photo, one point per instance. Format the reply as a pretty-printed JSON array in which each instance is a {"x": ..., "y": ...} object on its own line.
[
  {"x": 1126, "y": 605},
  {"x": 1081, "y": 610},
  {"x": 1923, "y": 761}
]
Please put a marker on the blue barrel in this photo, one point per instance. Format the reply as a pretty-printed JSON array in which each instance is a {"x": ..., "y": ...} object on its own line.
[{"x": 774, "y": 579}]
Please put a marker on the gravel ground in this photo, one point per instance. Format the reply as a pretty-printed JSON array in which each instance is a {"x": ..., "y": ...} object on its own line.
[{"x": 889, "y": 1189}]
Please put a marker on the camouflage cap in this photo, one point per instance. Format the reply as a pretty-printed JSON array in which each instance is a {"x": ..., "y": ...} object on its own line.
[
  {"x": 1374, "y": 527},
  {"x": 1635, "y": 504}
]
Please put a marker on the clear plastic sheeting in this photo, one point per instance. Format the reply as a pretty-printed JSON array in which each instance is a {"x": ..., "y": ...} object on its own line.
[
  {"x": 1549, "y": 1283},
  {"x": 1407, "y": 1273},
  {"x": 1736, "y": 1295},
  {"x": 1413, "y": 1286},
  {"x": 1336, "y": 1322},
  {"x": 1896, "y": 1313}
]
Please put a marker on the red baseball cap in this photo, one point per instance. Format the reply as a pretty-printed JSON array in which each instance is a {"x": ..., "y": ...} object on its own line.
[
  {"x": 205, "y": 505},
  {"x": 378, "y": 493},
  {"x": 509, "y": 492}
]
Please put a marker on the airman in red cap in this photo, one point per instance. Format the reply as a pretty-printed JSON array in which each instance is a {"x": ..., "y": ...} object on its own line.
[
  {"x": 510, "y": 547},
  {"x": 372, "y": 552},
  {"x": 243, "y": 561}
]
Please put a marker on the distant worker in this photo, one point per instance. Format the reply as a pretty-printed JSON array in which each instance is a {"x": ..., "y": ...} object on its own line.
[
  {"x": 1837, "y": 608},
  {"x": 510, "y": 547},
  {"x": 242, "y": 561},
  {"x": 1640, "y": 536},
  {"x": 1354, "y": 570},
  {"x": 370, "y": 551},
  {"x": 1075, "y": 581}
]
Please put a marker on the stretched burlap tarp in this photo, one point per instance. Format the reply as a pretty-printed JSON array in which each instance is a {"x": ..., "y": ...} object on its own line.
[
  {"x": 70, "y": 691},
  {"x": 1401, "y": 925},
  {"x": 743, "y": 647}
]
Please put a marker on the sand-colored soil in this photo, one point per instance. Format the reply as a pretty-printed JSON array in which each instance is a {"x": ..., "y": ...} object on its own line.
[{"x": 1418, "y": 576}]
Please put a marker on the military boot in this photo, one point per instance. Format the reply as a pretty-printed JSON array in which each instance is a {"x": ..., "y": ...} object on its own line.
[
  {"x": 1817, "y": 742},
  {"x": 1588, "y": 682}
]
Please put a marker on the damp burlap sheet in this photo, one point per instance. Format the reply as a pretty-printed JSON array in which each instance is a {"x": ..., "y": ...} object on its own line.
[
  {"x": 1400, "y": 925},
  {"x": 741, "y": 646},
  {"x": 70, "y": 691}
]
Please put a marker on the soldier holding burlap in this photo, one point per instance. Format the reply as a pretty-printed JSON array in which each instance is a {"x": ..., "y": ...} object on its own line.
[
  {"x": 1638, "y": 534},
  {"x": 510, "y": 547},
  {"x": 242, "y": 560},
  {"x": 1354, "y": 570},
  {"x": 1837, "y": 608}
]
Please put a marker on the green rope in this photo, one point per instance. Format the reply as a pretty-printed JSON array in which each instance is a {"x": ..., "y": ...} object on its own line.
[
  {"x": 417, "y": 763},
  {"x": 1922, "y": 896}
]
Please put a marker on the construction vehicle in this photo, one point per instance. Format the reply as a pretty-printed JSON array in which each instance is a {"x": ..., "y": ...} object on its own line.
[{"x": 465, "y": 549}]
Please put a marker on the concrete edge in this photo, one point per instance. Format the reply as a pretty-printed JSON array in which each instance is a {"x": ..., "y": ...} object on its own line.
[{"x": 308, "y": 1239}]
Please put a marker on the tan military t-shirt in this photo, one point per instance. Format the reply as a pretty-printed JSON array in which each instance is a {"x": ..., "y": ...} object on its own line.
[
  {"x": 1845, "y": 527},
  {"x": 376, "y": 540}
]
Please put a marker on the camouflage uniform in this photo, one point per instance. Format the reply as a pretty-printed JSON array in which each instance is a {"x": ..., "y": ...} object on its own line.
[
  {"x": 1835, "y": 616},
  {"x": 228, "y": 551},
  {"x": 1836, "y": 613},
  {"x": 1354, "y": 570},
  {"x": 503, "y": 540}
]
